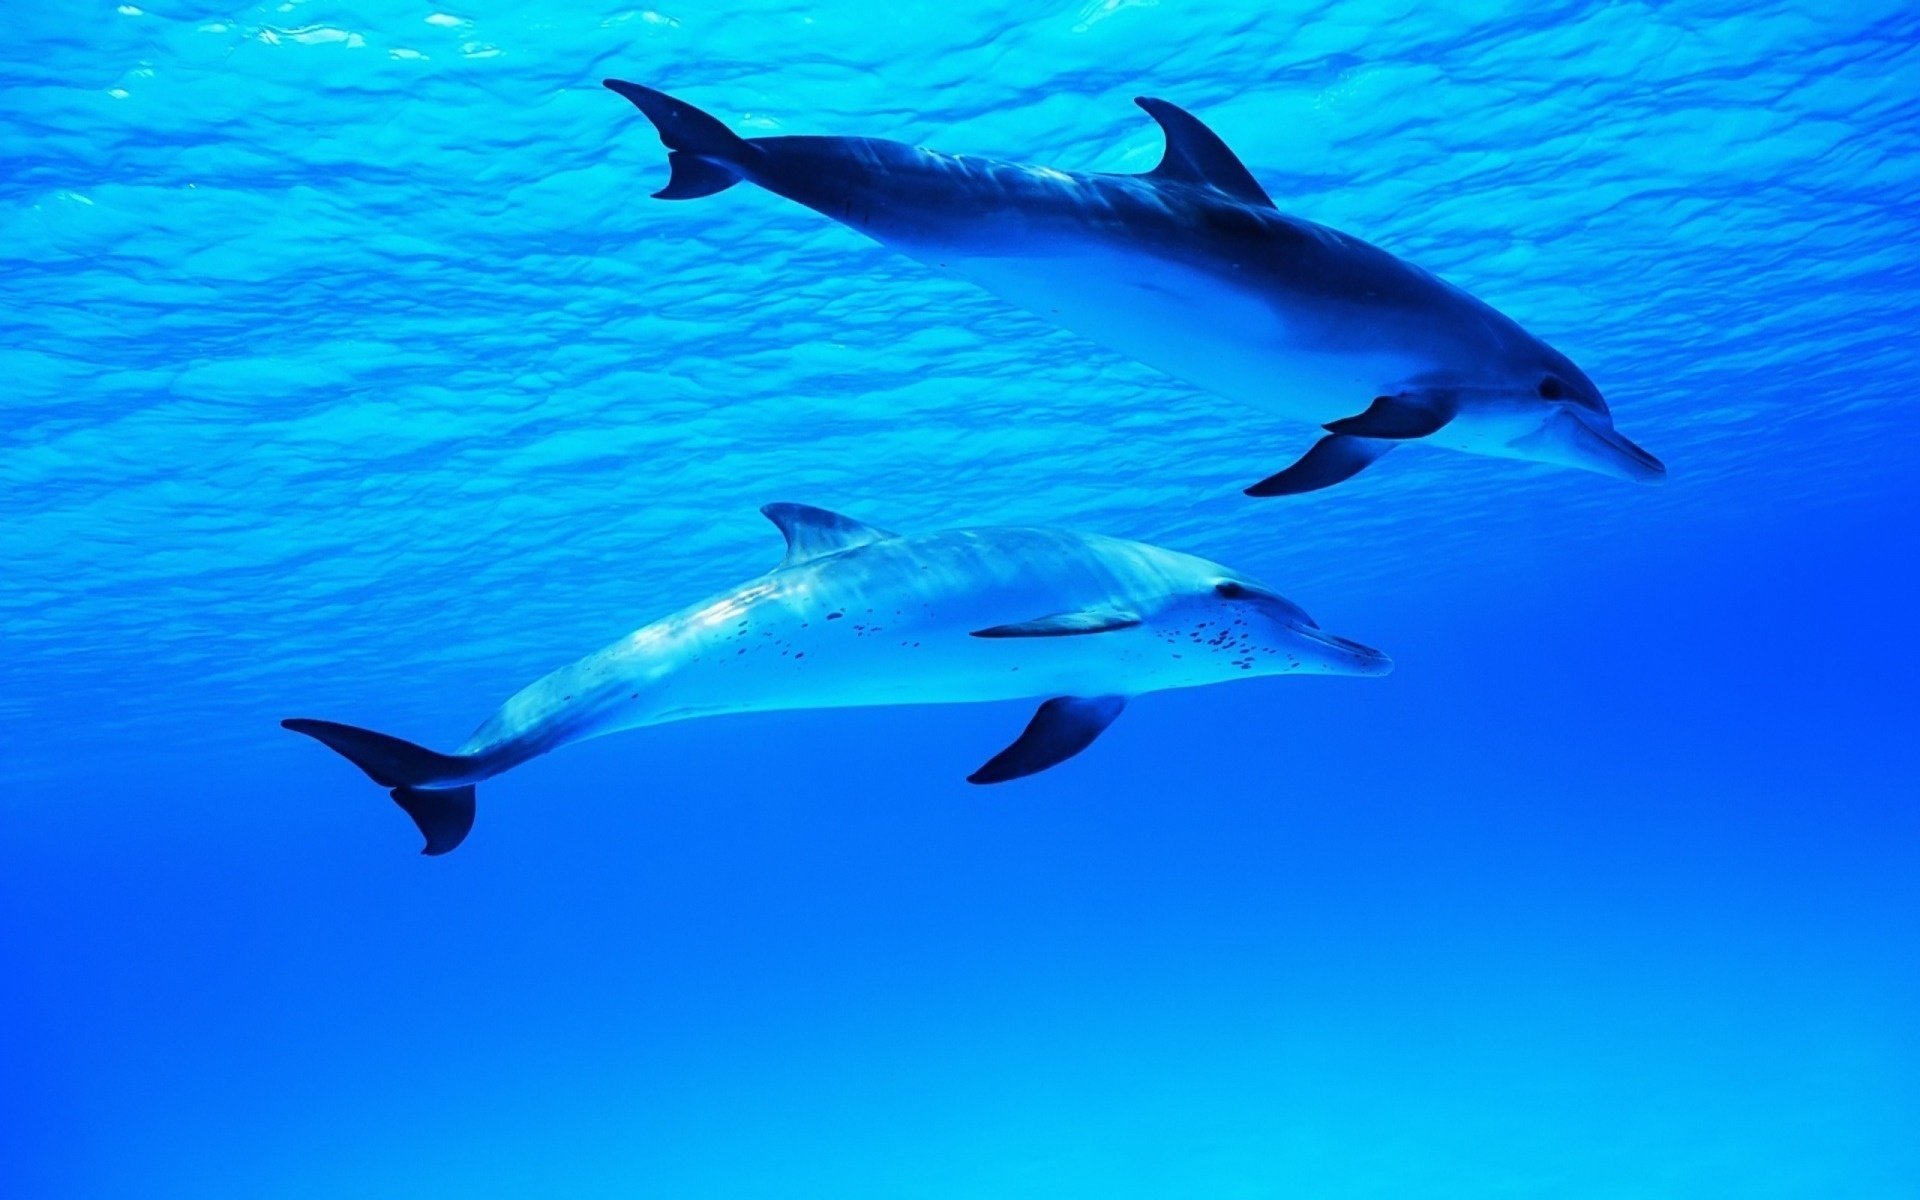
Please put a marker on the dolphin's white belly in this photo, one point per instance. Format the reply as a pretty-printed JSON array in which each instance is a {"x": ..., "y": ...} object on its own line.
[{"x": 1191, "y": 324}]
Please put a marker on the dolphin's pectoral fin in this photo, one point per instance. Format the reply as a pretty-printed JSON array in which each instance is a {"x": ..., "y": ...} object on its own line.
[
  {"x": 1062, "y": 728},
  {"x": 1397, "y": 418},
  {"x": 1334, "y": 458},
  {"x": 1195, "y": 154},
  {"x": 1092, "y": 620},
  {"x": 814, "y": 532}
]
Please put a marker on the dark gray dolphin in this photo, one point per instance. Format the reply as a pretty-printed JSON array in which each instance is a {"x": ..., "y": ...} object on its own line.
[
  {"x": 855, "y": 615},
  {"x": 1190, "y": 268}
]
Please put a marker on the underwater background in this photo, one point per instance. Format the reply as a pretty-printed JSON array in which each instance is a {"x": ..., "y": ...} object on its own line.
[{"x": 349, "y": 372}]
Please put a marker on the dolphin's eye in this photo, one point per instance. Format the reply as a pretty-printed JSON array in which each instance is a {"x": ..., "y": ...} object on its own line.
[
  {"x": 1230, "y": 590},
  {"x": 1551, "y": 389}
]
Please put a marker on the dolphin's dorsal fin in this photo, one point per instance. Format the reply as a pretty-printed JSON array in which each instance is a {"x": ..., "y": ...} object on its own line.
[
  {"x": 814, "y": 532},
  {"x": 1195, "y": 154}
]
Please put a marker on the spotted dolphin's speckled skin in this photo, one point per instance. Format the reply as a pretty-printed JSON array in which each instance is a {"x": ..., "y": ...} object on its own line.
[
  {"x": 1208, "y": 283},
  {"x": 893, "y": 620},
  {"x": 854, "y": 615}
]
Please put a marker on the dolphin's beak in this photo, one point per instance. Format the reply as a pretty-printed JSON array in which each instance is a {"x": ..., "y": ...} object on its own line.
[
  {"x": 1335, "y": 655},
  {"x": 1576, "y": 438}
]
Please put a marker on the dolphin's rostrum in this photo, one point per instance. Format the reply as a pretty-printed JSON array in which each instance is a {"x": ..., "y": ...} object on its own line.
[
  {"x": 1191, "y": 269},
  {"x": 854, "y": 615}
]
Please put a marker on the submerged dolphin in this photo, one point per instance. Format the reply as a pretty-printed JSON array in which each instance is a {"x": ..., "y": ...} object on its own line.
[
  {"x": 854, "y": 615},
  {"x": 1190, "y": 268}
]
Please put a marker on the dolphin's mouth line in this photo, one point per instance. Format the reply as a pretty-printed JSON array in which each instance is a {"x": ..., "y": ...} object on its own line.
[
  {"x": 1371, "y": 661},
  {"x": 1652, "y": 469},
  {"x": 1572, "y": 438}
]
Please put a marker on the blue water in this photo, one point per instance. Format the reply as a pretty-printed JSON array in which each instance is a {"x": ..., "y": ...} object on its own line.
[{"x": 350, "y": 373}]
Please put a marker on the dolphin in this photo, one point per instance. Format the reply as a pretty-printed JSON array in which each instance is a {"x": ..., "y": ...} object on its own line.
[
  {"x": 854, "y": 615},
  {"x": 1191, "y": 269}
]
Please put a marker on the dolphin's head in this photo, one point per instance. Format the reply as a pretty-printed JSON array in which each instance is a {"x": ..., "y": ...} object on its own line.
[
  {"x": 1270, "y": 633},
  {"x": 1565, "y": 421}
]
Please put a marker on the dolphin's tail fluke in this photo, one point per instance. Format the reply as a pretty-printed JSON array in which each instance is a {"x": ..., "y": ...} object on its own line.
[
  {"x": 429, "y": 786},
  {"x": 705, "y": 155}
]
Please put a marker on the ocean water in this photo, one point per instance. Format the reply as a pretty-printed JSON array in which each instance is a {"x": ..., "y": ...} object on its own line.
[{"x": 350, "y": 372}]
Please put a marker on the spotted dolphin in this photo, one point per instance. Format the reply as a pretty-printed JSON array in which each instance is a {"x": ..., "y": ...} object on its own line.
[
  {"x": 854, "y": 616},
  {"x": 1191, "y": 269}
]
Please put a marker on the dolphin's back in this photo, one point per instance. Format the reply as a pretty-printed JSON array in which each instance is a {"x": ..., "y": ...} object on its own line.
[
  {"x": 1133, "y": 260},
  {"x": 1191, "y": 271}
]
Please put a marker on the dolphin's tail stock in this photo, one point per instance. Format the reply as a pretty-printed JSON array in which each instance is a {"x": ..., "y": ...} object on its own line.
[
  {"x": 428, "y": 785},
  {"x": 705, "y": 155}
]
